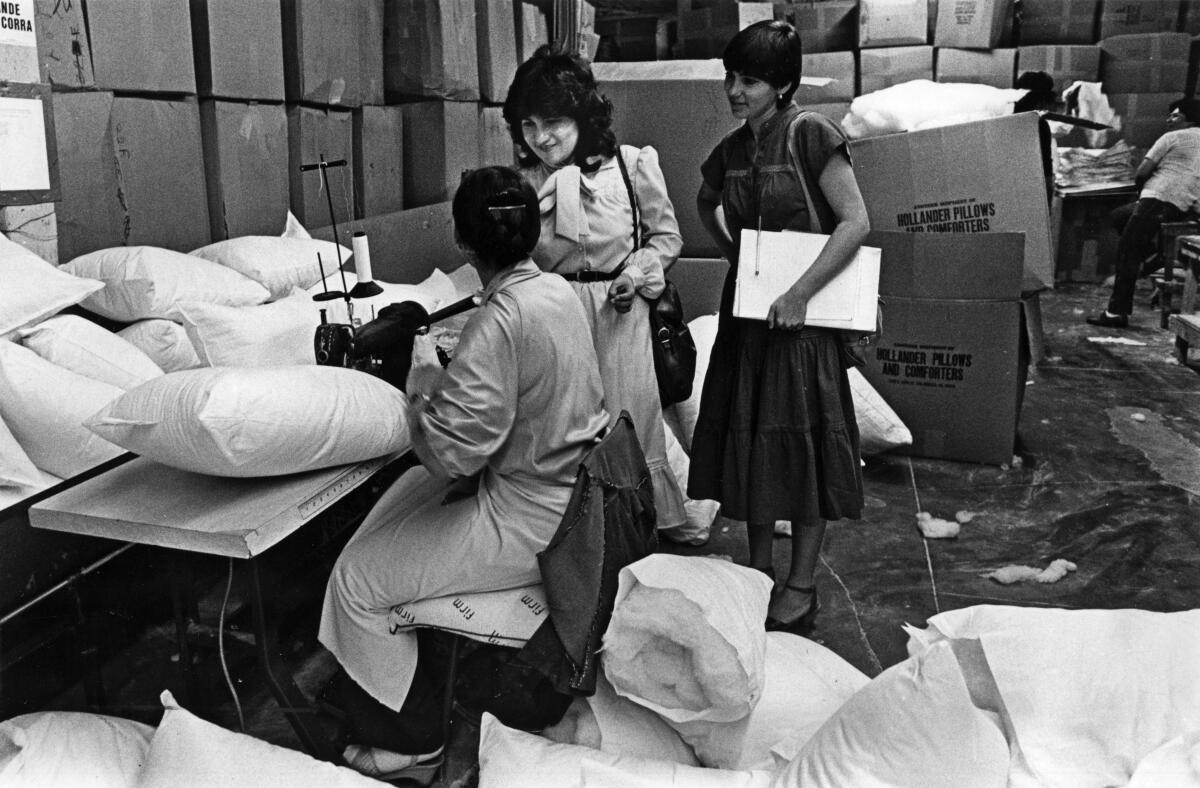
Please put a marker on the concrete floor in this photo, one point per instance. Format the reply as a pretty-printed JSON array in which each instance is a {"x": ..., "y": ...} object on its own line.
[{"x": 1108, "y": 477}]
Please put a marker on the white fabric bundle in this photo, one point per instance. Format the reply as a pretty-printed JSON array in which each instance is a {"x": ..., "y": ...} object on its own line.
[
  {"x": 511, "y": 758},
  {"x": 922, "y": 104},
  {"x": 237, "y": 421},
  {"x": 686, "y": 637},
  {"x": 69, "y": 748},
  {"x": 277, "y": 263},
  {"x": 32, "y": 289},
  {"x": 1090, "y": 693},
  {"x": 16, "y": 469},
  {"x": 606, "y": 721},
  {"x": 879, "y": 428},
  {"x": 804, "y": 684},
  {"x": 914, "y": 724}
]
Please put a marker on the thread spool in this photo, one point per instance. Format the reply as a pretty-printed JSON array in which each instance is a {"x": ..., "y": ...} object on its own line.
[{"x": 362, "y": 267}]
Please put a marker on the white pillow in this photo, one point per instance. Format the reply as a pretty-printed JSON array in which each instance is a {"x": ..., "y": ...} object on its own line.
[
  {"x": 435, "y": 291},
  {"x": 16, "y": 469},
  {"x": 164, "y": 341},
  {"x": 33, "y": 289},
  {"x": 80, "y": 345},
  {"x": 292, "y": 228},
  {"x": 277, "y": 263},
  {"x": 65, "y": 748},
  {"x": 879, "y": 428},
  {"x": 147, "y": 281},
  {"x": 914, "y": 724},
  {"x": 682, "y": 415},
  {"x": 12, "y": 495},
  {"x": 271, "y": 335},
  {"x": 45, "y": 405},
  {"x": 188, "y": 752},
  {"x": 1176, "y": 763},
  {"x": 510, "y": 758},
  {"x": 238, "y": 421}
]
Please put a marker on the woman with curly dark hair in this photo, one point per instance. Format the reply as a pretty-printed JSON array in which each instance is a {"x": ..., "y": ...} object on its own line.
[
  {"x": 609, "y": 228},
  {"x": 776, "y": 437}
]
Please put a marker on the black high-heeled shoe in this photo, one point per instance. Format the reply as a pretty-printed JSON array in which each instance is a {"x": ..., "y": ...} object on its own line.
[{"x": 802, "y": 624}]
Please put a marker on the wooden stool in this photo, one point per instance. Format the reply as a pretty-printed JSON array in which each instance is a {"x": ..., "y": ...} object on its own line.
[{"x": 1169, "y": 236}]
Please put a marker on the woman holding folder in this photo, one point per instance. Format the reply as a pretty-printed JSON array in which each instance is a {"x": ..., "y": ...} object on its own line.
[{"x": 776, "y": 437}]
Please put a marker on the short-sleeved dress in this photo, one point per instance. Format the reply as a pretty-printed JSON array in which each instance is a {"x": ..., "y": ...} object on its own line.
[
  {"x": 776, "y": 437},
  {"x": 587, "y": 225}
]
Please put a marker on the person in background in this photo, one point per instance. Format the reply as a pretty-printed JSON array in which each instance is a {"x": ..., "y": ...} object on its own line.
[
  {"x": 776, "y": 437},
  {"x": 518, "y": 409},
  {"x": 1168, "y": 183},
  {"x": 562, "y": 128},
  {"x": 1041, "y": 98}
]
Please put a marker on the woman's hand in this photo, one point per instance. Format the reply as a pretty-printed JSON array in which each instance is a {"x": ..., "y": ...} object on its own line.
[
  {"x": 426, "y": 369},
  {"x": 622, "y": 293},
  {"x": 788, "y": 312}
]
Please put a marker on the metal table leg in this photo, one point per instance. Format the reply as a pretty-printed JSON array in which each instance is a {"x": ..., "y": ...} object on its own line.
[{"x": 300, "y": 713}]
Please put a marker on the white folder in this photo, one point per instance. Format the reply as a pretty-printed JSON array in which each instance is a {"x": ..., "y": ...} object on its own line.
[{"x": 770, "y": 262}]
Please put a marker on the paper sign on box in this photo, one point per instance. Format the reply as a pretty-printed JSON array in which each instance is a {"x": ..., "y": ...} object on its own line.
[{"x": 769, "y": 263}]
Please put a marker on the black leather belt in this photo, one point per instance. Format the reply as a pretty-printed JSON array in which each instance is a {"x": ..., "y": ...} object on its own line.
[{"x": 594, "y": 276}]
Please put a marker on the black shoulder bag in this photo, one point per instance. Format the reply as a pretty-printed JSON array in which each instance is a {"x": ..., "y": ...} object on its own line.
[{"x": 671, "y": 341}]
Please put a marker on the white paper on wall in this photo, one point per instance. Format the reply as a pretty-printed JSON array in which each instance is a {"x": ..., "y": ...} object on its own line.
[{"x": 23, "y": 142}]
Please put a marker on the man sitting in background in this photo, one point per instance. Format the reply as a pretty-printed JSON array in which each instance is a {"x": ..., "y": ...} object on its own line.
[{"x": 1168, "y": 182}]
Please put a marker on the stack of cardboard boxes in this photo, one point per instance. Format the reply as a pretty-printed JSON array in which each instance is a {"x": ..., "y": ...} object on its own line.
[{"x": 180, "y": 122}]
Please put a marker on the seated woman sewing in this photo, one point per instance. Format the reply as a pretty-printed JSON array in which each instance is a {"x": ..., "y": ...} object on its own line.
[{"x": 519, "y": 407}]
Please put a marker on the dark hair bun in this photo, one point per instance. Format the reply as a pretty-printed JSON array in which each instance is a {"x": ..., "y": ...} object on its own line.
[{"x": 496, "y": 215}]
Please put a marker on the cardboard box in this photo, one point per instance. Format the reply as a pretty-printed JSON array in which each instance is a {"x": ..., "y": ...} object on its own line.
[
  {"x": 995, "y": 67},
  {"x": 882, "y": 68},
  {"x": 1189, "y": 18},
  {"x": 971, "y": 178},
  {"x": 495, "y": 143},
  {"x": 633, "y": 38},
  {"x": 1057, "y": 22},
  {"x": 314, "y": 133},
  {"x": 949, "y": 360},
  {"x": 892, "y": 23},
  {"x": 1067, "y": 64},
  {"x": 972, "y": 24},
  {"x": 140, "y": 46},
  {"x": 62, "y": 42},
  {"x": 533, "y": 30},
  {"x": 1123, "y": 17},
  {"x": 378, "y": 160},
  {"x": 89, "y": 215},
  {"x": 705, "y": 26},
  {"x": 18, "y": 43},
  {"x": 430, "y": 50},
  {"x": 33, "y": 226},
  {"x": 239, "y": 49},
  {"x": 839, "y": 66},
  {"x": 1145, "y": 63},
  {"x": 406, "y": 246},
  {"x": 246, "y": 161},
  {"x": 441, "y": 139},
  {"x": 1143, "y": 115},
  {"x": 160, "y": 169},
  {"x": 330, "y": 54},
  {"x": 679, "y": 107},
  {"x": 497, "y": 55},
  {"x": 824, "y": 25}
]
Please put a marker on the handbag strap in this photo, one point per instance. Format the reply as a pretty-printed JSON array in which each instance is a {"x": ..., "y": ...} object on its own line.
[
  {"x": 797, "y": 163},
  {"x": 633, "y": 203}
]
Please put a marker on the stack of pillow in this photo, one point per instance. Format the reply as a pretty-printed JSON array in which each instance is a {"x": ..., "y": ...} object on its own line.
[{"x": 242, "y": 303}]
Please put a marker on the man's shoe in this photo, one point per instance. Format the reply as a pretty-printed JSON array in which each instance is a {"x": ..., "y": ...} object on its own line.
[{"x": 1105, "y": 320}]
